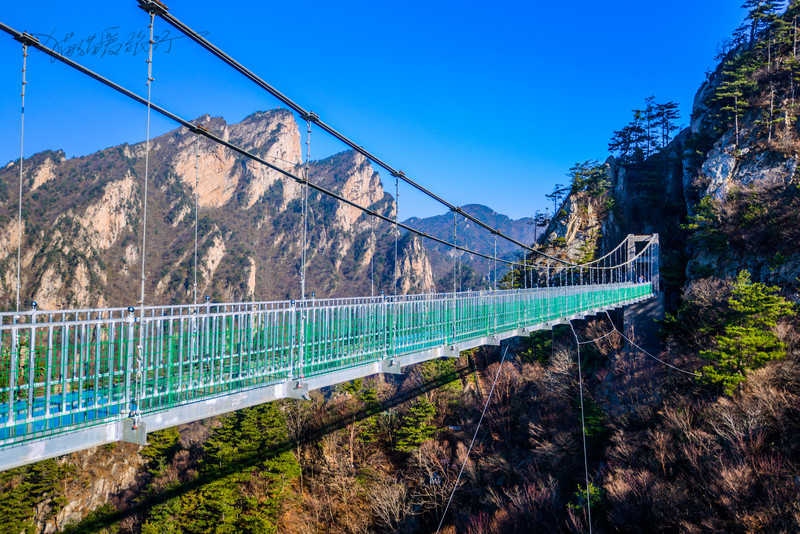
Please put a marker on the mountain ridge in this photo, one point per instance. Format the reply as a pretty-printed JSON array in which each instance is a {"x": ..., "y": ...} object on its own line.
[
  {"x": 82, "y": 220},
  {"x": 476, "y": 272}
]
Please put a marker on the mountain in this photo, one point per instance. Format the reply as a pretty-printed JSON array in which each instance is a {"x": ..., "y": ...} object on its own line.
[
  {"x": 82, "y": 223},
  {"x": 475, "y": 271},
  {"x": 700, "y": 434}
]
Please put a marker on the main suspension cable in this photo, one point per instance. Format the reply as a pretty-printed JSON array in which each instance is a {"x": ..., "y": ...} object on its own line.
[
  {"x": 202, "y": 41},
  {"x": 217, "y": 139}
]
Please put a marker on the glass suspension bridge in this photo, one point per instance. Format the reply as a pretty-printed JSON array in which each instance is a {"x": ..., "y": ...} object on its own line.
[{"x": 74, "y": 379}]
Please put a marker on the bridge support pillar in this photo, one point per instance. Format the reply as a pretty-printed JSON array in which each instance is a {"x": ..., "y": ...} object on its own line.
[
  {"x": 451, "y": 352},
  {"x": 391, "y": 366},
  {"x": 639, "y": 323},
  {"x": 297, "y": 390},
  {"x": 134, "y": 431}
]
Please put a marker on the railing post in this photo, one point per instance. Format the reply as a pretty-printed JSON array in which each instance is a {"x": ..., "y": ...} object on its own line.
[
  {"x": 293, "y": 341},
  {"x": 13, "y": 375},
  {"x": 385, "y": 329},
  {"x": 130, "y": 320},
  {"x": 31, "y": 369},
  {"x": 301, "y": 353}
]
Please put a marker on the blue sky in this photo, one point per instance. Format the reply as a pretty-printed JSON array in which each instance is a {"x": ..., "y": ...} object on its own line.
[{"x": 487, "y": 102}]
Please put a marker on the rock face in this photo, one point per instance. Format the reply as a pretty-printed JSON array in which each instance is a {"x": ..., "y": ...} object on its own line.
[
  {"x": 757, "y": 233},
  {"x": 574, "y": 232},
  {"x": 83, "y": 222},
  {"x": 726, "y": 166},
  {"x": 414, "y": 259},
  {"x": 105, "y": 219},
  {"x": 361, "y": 183},
  {"x": 98, "y": 476}
]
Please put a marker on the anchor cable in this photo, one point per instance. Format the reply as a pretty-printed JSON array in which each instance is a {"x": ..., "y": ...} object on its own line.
[
  {"x": 583, "y": 430},
  {"x": 690, "y": 373},
  {"x": 474, "y": 436}
]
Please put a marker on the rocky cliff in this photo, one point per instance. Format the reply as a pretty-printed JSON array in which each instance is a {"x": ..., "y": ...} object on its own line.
[
  {"x": 723, "y": 194},
  {"x": 82, "y": 222}
]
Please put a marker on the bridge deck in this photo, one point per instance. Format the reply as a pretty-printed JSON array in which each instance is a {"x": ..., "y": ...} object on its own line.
[{"x": 69, "y": 379}]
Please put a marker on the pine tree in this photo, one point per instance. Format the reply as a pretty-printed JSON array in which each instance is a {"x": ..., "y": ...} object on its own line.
[
  {"x": 589, "y": 176},
  {"x": 622, "y": 142},
  {"x": 748, "y": 341},
  {"x": 733, "y": 92},
  {"x": 761, "y": 14},
  {"x": 649, "y": 130},
  {"x": 368, "y": 428},
  {"x": 666, "y": 115},
  {"x": 416, "y": 427},
  {"x": 781, "y": 35},
  {"x": 649, "y": 122},
  {"x": 556, "y": 196},
  {"x": 540, "y": 219},
  {"x": 639, "y": 137}
]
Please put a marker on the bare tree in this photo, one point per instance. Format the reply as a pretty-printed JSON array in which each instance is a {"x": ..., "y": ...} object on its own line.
[
  {"x": 390, "y": 502},
  {"x": 435, "y": 472},
  {"x": 298, "y": 418},
  {"x": 505, "y": 404}
]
